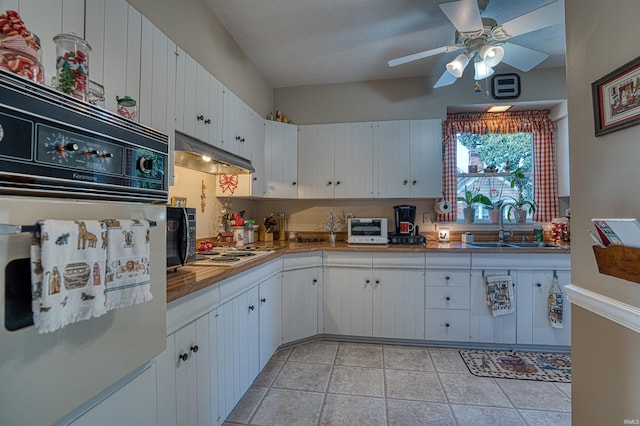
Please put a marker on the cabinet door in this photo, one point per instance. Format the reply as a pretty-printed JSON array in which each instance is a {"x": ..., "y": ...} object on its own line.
[
  {"x": 225, "y": 376},
  {"x": 483, "y": 327},
  {"x": 398, "y": 303},
  {"x": 203, "y": 118},
  {"x": 189, "y": 112},
  {"x": 353, "y": 153},
  {"x": 393, "y": 159},
  {"x": 179, "y": 106},
  {"x": 245, "y": 324},
  {"x": 257, "y": 154},
  {"x": 316, "y": 161},
  {"x": 166, "y": 384},
  {"x": 426, "y": 158},
  {"x": 281, "y": 157},
  {"x": 300, "y": 296},
  {"x": 270, "y": 319},
  {"x": 533, "y": 321},
  {"x": 186, "y": 376},
  {"x": 348, "y": 301}
]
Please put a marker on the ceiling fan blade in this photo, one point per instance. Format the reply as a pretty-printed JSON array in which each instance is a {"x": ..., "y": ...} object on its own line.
[
  {"x": 522, "y": 58},
  {"x": 419, "y": 55},
  {"x": 445, "y": 80},
  {"x": 463, "y": 14},
  {"x": 546, "y": 16}
]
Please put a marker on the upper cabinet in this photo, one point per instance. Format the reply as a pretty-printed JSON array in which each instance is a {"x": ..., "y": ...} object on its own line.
[
  {"x": 335, "y": 161},
  {"x": 281, "y": 160},
  {"x": 407, "y": 158}
]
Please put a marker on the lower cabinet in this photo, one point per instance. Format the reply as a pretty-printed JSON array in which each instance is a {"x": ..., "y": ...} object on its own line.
[
  {"x": 302, "y": 283},
  {"x": 371, "y": 294}
]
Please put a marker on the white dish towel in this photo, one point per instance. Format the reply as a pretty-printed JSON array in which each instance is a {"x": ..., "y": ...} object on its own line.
[
  {"x": 555, "y": 305},
  {"x": 67, "y": 272},
  {"x": 128, "y": 279},
  {"x": 500, "y": 294}
]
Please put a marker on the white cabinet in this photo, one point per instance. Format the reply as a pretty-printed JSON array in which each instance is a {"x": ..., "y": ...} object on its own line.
[
  {"x": 256, "y": 146},
  {"x": 281, "y": 160},
  {"x": 335, "y": 161},
  {"x": 528, "y": 324},
  {"x": 301, "y": 296},
  {"x": 270, "y": 318},
  {"x": 408, "y": 159},
  {"x": 375, "y": 295},
  {"x": 447, "y": 297}
]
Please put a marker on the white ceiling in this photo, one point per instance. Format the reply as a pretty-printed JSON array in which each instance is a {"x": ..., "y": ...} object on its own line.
[{"x": 309, "y": 42}]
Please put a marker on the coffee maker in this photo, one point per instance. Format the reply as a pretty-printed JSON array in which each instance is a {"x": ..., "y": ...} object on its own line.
[{"x": 406, "y": 231}]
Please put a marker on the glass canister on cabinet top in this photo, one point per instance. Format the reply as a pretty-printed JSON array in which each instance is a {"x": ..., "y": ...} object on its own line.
[
  {"x": 72, "y": 65},
  {"x": 127, "y": 107}
]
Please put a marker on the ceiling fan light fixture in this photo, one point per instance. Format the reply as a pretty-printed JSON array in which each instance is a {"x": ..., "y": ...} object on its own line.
[
  {"x": 491, "y": 55},
  {"x": 482, "y": 70},
  {"x": 457, "y": 66}
]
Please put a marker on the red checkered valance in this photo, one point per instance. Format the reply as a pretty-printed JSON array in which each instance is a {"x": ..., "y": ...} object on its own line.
[{"x": 538, "y": 123}]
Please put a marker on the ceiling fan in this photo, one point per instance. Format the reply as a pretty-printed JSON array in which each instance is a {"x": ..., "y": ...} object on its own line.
[{"x": 485, "y": 41}]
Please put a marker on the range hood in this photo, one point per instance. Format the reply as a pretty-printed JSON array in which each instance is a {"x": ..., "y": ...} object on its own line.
[{"x": 191, "y": 153}]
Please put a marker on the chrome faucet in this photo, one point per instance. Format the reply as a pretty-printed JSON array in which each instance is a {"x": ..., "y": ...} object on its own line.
[{"x": 502, "y": 234}]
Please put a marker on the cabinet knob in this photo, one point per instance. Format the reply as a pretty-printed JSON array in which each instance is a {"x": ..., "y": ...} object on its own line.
[
  {"x": 447, "y": 298},
  {"x": 251, "y": 307},
  {"x": 447, "y": 278},
  {"x": 377, "y": 281},
  {"x": 263, "y": 300},
  {"x": 255, "y": 178},
  {"x": 200, "y": 118},
  {"x": 538, "y": 285},
  {"x": 183, "y": 357},
  {"x": 329, "y": 183},
  {"x": 405, "y": 182},
  {"x": 414, "y": 182},
  {"x": 207, "y": 121},
  {"x": 314, "y": 281},
  {"x": 338, "y": 183},
  {"x": 446, "y": 324},
  {"x": 195, "y": 348},
  {"x": 294, "y": 183}
]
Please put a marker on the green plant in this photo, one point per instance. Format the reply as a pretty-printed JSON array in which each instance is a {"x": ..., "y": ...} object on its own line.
[
  {"x": 470, "y": 198},
  {"x": 523, "y": 200}
]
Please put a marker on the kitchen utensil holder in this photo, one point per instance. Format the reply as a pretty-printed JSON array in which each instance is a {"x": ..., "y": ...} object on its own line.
[{"x": 619, "y": 261}]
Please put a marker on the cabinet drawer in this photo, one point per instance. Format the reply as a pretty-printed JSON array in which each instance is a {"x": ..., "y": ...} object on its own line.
[
  {"x": 447, "y": 278},
  {"x": 447, "y": 324},
  {"x": 447, "y": 297}
]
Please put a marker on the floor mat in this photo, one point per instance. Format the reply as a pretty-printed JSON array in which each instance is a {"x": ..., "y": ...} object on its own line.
[{"x": 543, "y": 366}]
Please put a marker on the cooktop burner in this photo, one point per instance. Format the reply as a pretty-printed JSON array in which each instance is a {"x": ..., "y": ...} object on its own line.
[{"x": 228, "y": 256}]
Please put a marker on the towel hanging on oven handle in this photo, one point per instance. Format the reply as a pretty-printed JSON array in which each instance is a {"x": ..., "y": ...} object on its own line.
[{"x": 6, "y": 229}]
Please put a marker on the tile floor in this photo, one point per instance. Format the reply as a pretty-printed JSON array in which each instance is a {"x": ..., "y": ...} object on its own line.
[{"x": 337, "y": 383}]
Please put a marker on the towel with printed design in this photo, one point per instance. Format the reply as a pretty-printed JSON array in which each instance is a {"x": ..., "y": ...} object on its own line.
[{"x": 500, "y": 294}]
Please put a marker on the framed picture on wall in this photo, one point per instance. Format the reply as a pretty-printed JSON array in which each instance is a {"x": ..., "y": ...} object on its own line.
[
  {"x": 178, "y": 202},
  {"x": 616, "y": 99}
]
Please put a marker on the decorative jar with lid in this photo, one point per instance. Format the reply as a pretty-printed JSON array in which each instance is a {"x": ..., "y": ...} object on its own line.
[{"x": 72, "y": 65}]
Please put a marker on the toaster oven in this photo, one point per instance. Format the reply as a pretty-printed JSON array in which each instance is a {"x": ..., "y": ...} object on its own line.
[{"x": 367, "y": 230}]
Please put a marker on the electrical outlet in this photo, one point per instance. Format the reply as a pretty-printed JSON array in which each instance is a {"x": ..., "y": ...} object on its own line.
[{"x": 426, "y": 217}]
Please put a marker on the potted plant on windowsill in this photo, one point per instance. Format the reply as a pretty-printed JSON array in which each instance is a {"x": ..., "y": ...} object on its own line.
[
  {"x": 470, "y": 198},
  {"x": 522, "y": 204}
]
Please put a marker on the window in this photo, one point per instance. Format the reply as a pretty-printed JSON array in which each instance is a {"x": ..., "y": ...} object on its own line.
[
  {"x": 483, "y": 166},
  {"x": 541, "y": 182}
]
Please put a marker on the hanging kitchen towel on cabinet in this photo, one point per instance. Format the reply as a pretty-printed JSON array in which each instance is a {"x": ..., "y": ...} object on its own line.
[
  {"x": 555, "y": 305},
  {"x": 67, "y": 272},
  {"x": 500, "y": 294},
  {"x": 128, "y": 279}
]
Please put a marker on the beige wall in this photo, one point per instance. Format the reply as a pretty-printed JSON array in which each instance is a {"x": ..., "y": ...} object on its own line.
[
  {"x": 604, "y": 176},
  {"x": 193, "y": 27},
  {"x": 403, "y": 99}
]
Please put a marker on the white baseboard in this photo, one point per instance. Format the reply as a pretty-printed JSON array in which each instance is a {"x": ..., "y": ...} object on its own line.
[{"x": 619, "y": 312}]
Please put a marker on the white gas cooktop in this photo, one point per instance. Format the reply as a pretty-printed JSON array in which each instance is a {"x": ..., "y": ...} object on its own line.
[{"x": 228, "y": 256}]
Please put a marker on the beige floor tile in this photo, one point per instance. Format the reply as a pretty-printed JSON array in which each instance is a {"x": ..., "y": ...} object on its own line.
[
  {"x": 565, "y": 388},
  {"x": 303, "y": 376},
  {"x": 319, "y": 352},
  {"x": 486, "y": 416},
  {"x": 418, "y": 413},
  {"x": 268, "y": 373},
  {"x": 243, "y": 411},
  {"x": 357, "y": 381},
  {"x": 288, "y": 407},
  {"x": 350, "y": 410},
  {"x": 546, "y": 418},
  {"x": 447, "y": 360},
  {"x": 469, "y": 389},
  {"x": 407, "y": 358},
  {"x": 535, "y": 395},
  {"x": 359, "y": 355},
  {"x": 415, "y": 385}
]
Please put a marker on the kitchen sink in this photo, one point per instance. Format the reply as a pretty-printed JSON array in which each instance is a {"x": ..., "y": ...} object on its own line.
[
  {"x": 513, "y": 245},
  {"x": 491, "y": 245}
]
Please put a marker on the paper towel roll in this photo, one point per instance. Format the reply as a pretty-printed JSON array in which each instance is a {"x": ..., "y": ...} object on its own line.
[{"x": 442, "y": 207}]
